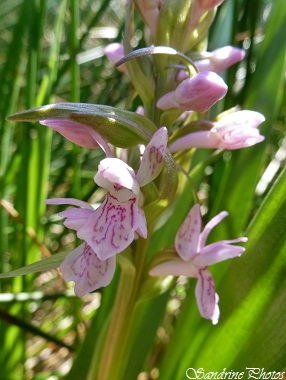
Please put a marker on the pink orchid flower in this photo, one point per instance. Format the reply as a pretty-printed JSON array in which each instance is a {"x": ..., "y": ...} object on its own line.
[
  {"x": 197, "y": 93},
  {"x": 194, "y": 257},
  {"x": 233, "y": 131},
  {"x": 110, "y": 228}
]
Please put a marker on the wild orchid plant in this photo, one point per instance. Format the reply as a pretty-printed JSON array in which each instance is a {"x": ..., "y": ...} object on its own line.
[{"x": 147, "y": 165}]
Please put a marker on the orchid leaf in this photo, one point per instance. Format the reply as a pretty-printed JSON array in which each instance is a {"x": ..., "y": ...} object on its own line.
[
  {"x": 39, "y": 266},
  {"x": 120, "y": 128}
]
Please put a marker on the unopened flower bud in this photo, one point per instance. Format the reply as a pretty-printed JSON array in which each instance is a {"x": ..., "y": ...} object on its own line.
[
  {"x": 200, "y": 8},
  {"x": 150, "y": 12},
  {"x": 221, "y": 59},
  {"x": 209, "y": 4},
  {"x": 114, "y": 52},
  {"x": 197, "y": 93}
]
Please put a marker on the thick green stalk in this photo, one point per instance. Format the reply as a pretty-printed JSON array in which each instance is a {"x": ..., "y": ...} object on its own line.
[{"x": 112, "y": 352}]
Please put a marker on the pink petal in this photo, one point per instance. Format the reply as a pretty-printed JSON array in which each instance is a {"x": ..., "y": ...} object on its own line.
[
  {"x": 153, "y": 157},
  {"x": 87, "y": 271},
  {"x": 167, "y": 101},
  {"x": 209, "y": 226},
  {"x": 75, "y": 217},
  {"x": 187, "y": 238},
  {"x": 200, "y": 92},
  {"x": 75, "y": 132},
  {"x": 150, "y": 12},
  {"x": 217, "y": 252},
  {"x": 221, "y": 59},
  {"x": 238, "y": 129},
  {"x": 118, "y": 178},
  {"x": 141, "y": 222},
  {"x": 201, "y": 139},
  {"x": 226, "y": 56},
  {"x": 114, "y": 53},
  {"x": 207, "y": 299},
  {"x": 68, "y": 201},
  {"x": 244, "y": 119},
  {"x": 111, "y": 227},
  {"x": 175, "y": 267}
]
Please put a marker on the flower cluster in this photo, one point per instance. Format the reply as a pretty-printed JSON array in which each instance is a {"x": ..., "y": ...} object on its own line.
[
  {"x": 175, "y": 91},
  {"x": 110, "y": 228}
]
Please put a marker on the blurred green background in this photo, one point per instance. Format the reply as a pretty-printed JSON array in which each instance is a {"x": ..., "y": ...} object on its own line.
[{"x": 52, "y": 51}]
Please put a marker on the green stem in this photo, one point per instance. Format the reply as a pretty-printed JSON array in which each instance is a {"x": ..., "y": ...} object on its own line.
[
  {"x": 110, "y": 359},
  {"x": 141, "y": 252},
  {"x": 118, "y": 342}
]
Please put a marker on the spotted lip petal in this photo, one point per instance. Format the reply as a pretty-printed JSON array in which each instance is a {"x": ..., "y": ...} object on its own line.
[
  {"x": 111, "y": 227},
  {"x": 87, "y": 271}
]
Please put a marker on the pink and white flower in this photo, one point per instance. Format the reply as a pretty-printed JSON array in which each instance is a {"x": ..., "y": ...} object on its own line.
[
  {"x": 194, "y": 257},
  {"x": 234, "y": 131},
  {"x": 110, "y": 228}
]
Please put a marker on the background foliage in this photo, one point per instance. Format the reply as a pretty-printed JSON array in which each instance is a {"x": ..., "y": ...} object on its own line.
[{"x": 52, "y": 51}]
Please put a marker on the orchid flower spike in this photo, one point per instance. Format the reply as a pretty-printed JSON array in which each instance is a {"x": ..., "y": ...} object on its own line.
[
  {"x": 234, "y": 131},
  {"x": 197, "y": 93},
  {"x": 110, "y": 228},
  {"x": 194, "y": 257}
]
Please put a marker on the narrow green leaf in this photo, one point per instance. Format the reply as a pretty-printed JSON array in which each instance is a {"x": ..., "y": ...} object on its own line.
[
  {"x": 42, "y": 265},
  {"x": 120, "y": 128}
]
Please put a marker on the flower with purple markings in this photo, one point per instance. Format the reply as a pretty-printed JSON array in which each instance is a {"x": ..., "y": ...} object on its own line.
[
  {"x": 112, "y": 227},
  {"x": 194, "y": 257},
  {"x": 233, "y": 131}
]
